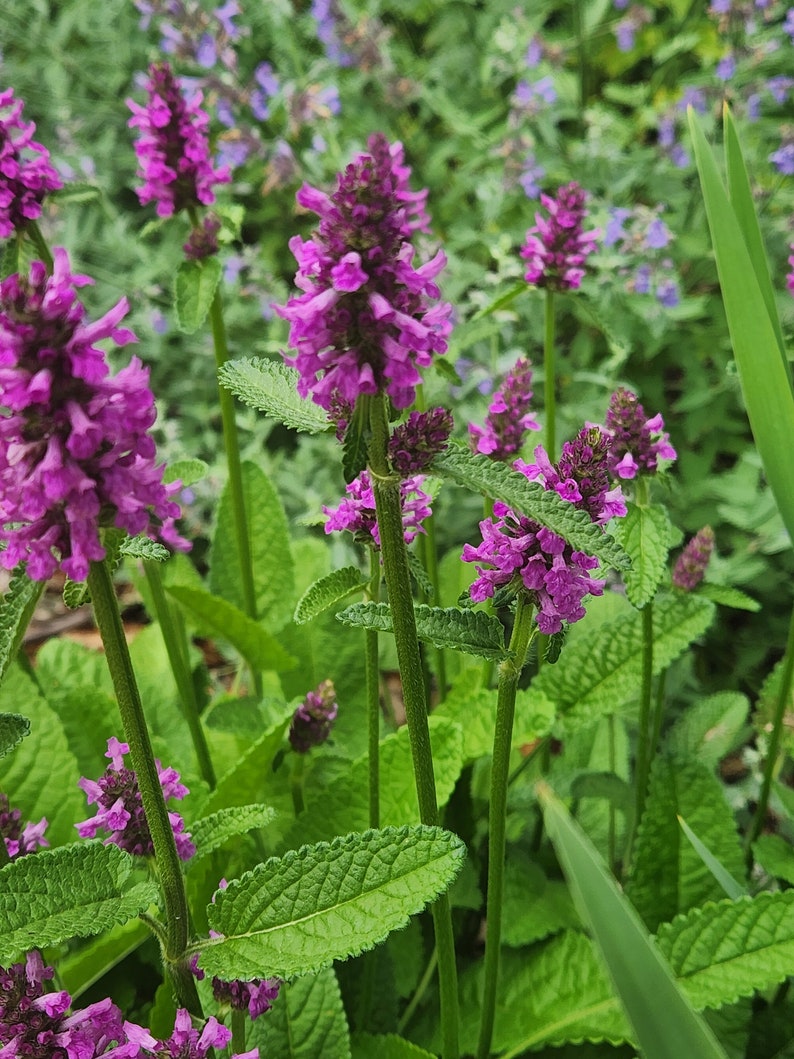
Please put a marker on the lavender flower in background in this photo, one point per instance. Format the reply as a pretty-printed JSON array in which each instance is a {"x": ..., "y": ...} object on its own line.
[
  {"x": 268, "y": 86},
  {"x": 356, "y": 512},
  {"x": 627, "y": 28},
  {"x": 690, "y": 567},
  {"x": 783, "y": 159},
  {"x": 667, "y": 293},
  {"x": 313, "y": 720},
  {"x": 667, "y": 138},
  {"x": 26, "y": 174},
  {"x": 414, "y": 444},
  {"x": 726, "y": 67},
  {"x": 790, "y": 276},
  {"x": 533, "y": 97},
  {"x": 328, "y": 17},
  {"x": 120, "y": 808},
  {"x": 20, "y": 840},
  {"x": 638, "y": 234},
  {"x": 638, "y": 443},
  {"x": 508, "y": 420},
  {"x": 557, "y": 247},
  {"x": 779, "y": 88},
  {"x": 365, "y": 323},
  {"x": 173, "y": 152},
  {"x": 531, "y": 175},
  {"x": 788, "y": 24},
  {"x": 75, "y": 448}
]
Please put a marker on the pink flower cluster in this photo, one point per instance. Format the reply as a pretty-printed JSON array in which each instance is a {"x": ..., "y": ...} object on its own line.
[
  {"x": 690, "y": 566},
  {"x": 25, "y": 171},
  {"x": 173, "y": 151},
  {"x": 363, "y": 323},
  {"x": 508, "y": 418},
  {"x": 314, "y": 718},
  {"x": 557, "y": 246},
  {"x": 356, "y": 512},
  {"x": 415, "y": 443},
  {"x": 75, "y": 452},
  {"x": 20, "y": 840},
  {"x": 638, "y": 443},
  {"x": 120, "y": 808}
]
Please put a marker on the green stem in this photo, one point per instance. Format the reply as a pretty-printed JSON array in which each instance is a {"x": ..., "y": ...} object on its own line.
[
  {"x": 509, "y": 672},
  {"x": 169, "y": 869},
  {"x": 611, "y": 826},
  {"x": 398, "y": 584},
  {"x": 421, "y": 989},
  {"x": 297, "y": 783},
  {"x": 238, "y": 1031},
  {"x": 549, "y": 395},
  {"x": 644, "y": 733},
  {"x": 373, "y": 696},
  {"x": 175, "y": 640},
  {"x": 783, "y": 697},
  {"x": 232, "y": 446},
  {"x": 581, "y": 47}
]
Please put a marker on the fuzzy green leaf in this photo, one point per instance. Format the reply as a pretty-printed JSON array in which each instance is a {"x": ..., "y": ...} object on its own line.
[
  {"x": 144, "y": 548},
  {"x": 75, "y": 593},
  {"x": 249, "y": 775},
  {"x": 386, "y": 1046},
  {"x": 709, "y": 729},
  {"x": 295, "y": 914},
  {"x": 13, "y": 729},
  {"x": 728, "y": 596},
  {"x": 356, "y": 442},
  {"x": 185, "y": 471},
  {"x": 534, "y": 905},
  {"x": 213, "y": 831},
  {"x": 644, "y": 534},
  {"x": 271, "y": 386},
  {"x": 472, "y": 631},
  {"x": 194, "y": 289},
  {"x": 327, "y": 592},
  {"x": 603, "y": 668},
  {"x": 223, "y": 619},
  {"x": 776, "y": 856},
  {"x": 501, "y": 301},
  {"x": 72, "y": 891},
  {"x": 16, "y": 610},
  {"x": 729, "y": 949},
  {"x": 481, "y": 474},
  {"x": 307, "y": 1021},
  {"x": 82, "y": 967}
]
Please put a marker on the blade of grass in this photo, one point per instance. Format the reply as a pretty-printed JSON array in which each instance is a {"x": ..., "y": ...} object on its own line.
[{"x": 731, "y": 887}]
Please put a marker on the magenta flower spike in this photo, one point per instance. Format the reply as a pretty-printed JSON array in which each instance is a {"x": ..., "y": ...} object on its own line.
[
  {"x": 20, "y": 840},
  {"x": 173, "y": 151},
  {"x": 356, "y": 512},
  {"x": 75, "y": 448},
  {"x": 314, "y": 718},
  {"x": 189, "y": 1043},
  {"x": 364, "y": 322},
  {"x": 508, "y": 419},
  {"x": 638, "y": 443},
  {"x": 557, "y": 247},
  {"x": 26, "y": 174},
  {"x": 690, "y": 567},
  {"x": 415, "y": 443},
  {"x": 120, "y": 808}
]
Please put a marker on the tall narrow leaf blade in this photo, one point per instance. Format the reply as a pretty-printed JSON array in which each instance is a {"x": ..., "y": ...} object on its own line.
[
  {"x": 731, "y": 887},
  {"x": 665, "y": 1024}
]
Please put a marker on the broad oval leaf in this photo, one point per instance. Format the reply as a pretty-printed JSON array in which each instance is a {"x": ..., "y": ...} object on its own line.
[
  {"x": 328, "y": 591},
  {"x": 271, "y": 386},
  {"x": 472, "y": 631},
  {"x": 307, "y": 1021},
  {"x": 210, "y": 833},
  {"x": 295, "y": 914},
  {"x": 194, "y": 289},
  {"x": 13, "y": 729},
  {"x": 16, "y": 610},
  {"x": 645, "y": 535},
  {"x": 387, "y": 1046}
]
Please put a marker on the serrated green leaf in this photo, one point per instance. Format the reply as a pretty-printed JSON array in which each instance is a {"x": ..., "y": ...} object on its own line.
[
  {"x": 728, "y": 596},
  {"x": 72, "y": 891},
  {"x": 386, "y": 1046},
  {"x": 141, "y": 547},
  {"x": 74, "y": 193},
  {"x": 327, "y": 592},
  {"x": 260, "y": 650},
  {"x": 194, "y": 289},
  {"x": 730, "y": 949},
  {"x": 471, "y": 631},
  {"x": 667, "y": 874},
  {"x": 10, "y": 258},
  {"x": 356, "y": 442},
  {"x": 644, "y": 534},
  {"x": 271, "y": 386},
  {"x": 664, "y": 1023},
  {"x": 307, "y": 1021},
  {"x": 776, "y": 856},
  {"x": 603, "y": 668},
  {"x": 16, "y": 610},
  {"x": 730, "y": 886},
  {"x": 709, "y": 729},
  {"x": 75, "y": 593},
  {"x": 186, "y": 471},
  {"x": 534, "y": 906},
  {"x": 497, "y": 480},
  {"x": 81, "y": 968},
  {"x": 249, "y": 775},
  {"x": 269, "y": 543},
  {"x": 13, "y": 729},
  {"x": 213, "y": 831},
  {"x": 295, "y": 914}
]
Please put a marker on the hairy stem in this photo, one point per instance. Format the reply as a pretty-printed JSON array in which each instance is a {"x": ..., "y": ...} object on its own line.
[{"x": 373, "y": 696}]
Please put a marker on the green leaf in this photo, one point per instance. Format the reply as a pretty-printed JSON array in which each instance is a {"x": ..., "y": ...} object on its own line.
[
  {"x": 664, "y": 1023},
  {"x": 143, "y": 548},
  {"x": 213, "y": 831},
  {"x": 72, "y": 891},
  {"x": 534, "y": 905},
  {"x": 472, "y": 631},
  {"x": 13, "y": 729},
  {"x": 271, "y": 386},
  {"x": 185, "y": 471},
  {"x": 709, "y": 729},
  {"x": 497, "y": 480},
  {"x": 731, "y": 887},
  {"x": 194, "y": 289},
  {"x": 307, "y": 1021},
  {"x": 75, "y": 593},
  {"x": 327, "y": 592},
  {"x": 260, "y": 650},
  {"x": 269, "y": 542},
  {"x": 16, "y": 610},
  {"x": 295, "y": 914},
  {"x": 603, "y": 669},
  {"x": 501, "y": 301},
  {"x": 356, "y": 443},
  {"x": 386, "y": 1046},
  {"x": 776, "y": 856},
  {"x": 249, "y": 775},
  {"x": 728, "y": 596},
  {"x": 763, "y": 372},
  {"x": 81, "y": 968},
  {"x": 644, "y": 534},
  {"x": 10, "y": 258},
  {"x": 730, "y": 949}
]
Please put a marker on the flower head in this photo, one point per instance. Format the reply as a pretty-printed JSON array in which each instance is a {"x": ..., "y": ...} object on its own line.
[
  {"x": 120, "y": 807},
  {"x": 26, "y": 174},
  {"x": 638, "y": 443},
  {"x": 364, "y": 322},
  {"x": 557, "y": 246},
  {"x": 255, "y": 997},
  {"x": 173, "y": 152},
  {"x": 75, "y": 449},
  {"x": 20, "y": 840},
  {"x": 691, "y": 564},
  {"x": 356, "y": 512},
  {"x": 314, "y": 718},
  {"x": 415, "y": 443},
  {"x": 508, "y": 417}
]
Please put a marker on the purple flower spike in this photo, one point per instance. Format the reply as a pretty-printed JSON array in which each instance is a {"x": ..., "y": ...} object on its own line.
[
  {"x": 255, "y": 997},
  {"x": 75, "y": 449},
  {"x": 26, "y": 174},
  {"x": 173, "y": 152},
  {"x": 557, "y": 247},
  {"x": 20, "y": 840},
  {"x": 356, "y": 512},
  {"x": 364, "y": 322},
  {"x": 508, "y": 419},
  {"x": 313, "y": 720},
  {"x": 120, "y": 808},
  {"x": 691, "y": 564},
  {"x": 638, "y": 443},
  {"x": 189, "y": 1043},
  {"x": 415, "y": 443}
]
